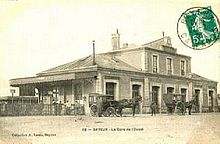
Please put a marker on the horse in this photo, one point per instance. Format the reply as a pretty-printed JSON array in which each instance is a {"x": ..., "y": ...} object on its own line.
[
  {"x": 128, "y": 103},
  {"x": 181, "y": 107},
  {"x": 189, "y": 105},
  {"x": 171, "y": 107}
]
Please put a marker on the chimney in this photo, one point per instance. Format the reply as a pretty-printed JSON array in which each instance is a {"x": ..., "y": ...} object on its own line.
[
  {"x": 116, "y": 41},
  {"x": 93, "y": 56}
]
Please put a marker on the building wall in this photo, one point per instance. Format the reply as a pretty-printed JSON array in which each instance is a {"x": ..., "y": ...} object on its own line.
[
  {"x": 162, "y": 62},
  {"x": 135, "y": 58},
  {"x": 163, "y": 84},
  {"x": 142, "y": 59},
  {"x": 205, "y": 87},
  {"x": 124, "y": 81}
]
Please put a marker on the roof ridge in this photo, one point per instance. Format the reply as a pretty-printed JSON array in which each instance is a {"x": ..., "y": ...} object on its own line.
[
  {"x": 202, "y": 77},
  {"x": 156, "y": 40},
  {"x": 66, "y": 65}
]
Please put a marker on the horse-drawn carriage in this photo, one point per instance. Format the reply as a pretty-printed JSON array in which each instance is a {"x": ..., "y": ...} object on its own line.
[
  {"x": 109, "y": 106},
  {"x": 176, "y": 102}
]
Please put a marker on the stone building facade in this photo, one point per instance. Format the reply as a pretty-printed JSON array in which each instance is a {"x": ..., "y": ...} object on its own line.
[{"x": 150, "y": 70}]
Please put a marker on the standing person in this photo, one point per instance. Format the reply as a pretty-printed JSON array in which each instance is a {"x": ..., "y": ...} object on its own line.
[
  {"x": 54, "y": 109},
  {"x": 59, "y": 108},
  {"x": 65, "y": 108},
  {"x": 135, "y": 104},
  {"x": 68, "y": 105},
  {"x": 140, "y": 104},
  {"x": 153, "y": 107},
  {"x": 99, "y": 106}
]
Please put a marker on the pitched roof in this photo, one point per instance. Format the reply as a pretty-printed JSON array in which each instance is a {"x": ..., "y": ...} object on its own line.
[
  {"x": 200, "y": 78},
  {"x": 104, "y": 61}
]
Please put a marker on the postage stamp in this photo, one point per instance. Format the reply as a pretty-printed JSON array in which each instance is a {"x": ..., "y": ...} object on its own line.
[{"x": 198, "y": 28}]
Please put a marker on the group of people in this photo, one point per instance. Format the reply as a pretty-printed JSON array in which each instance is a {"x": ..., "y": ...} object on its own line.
[
  {"x": 58, "y": 107},
  {"x": 137, "y": 101}
]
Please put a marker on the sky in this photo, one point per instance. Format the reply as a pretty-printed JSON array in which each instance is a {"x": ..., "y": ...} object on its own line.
[{"x": 40, "y": 34}]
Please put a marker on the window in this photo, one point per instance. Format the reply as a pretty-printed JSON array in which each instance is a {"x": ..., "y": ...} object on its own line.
[
  {"x": 110, "y": 88},
  {"x": 155, "y": 64},
  {"x": 169, "y": 66},
  {"x": 182, "y": 67}
]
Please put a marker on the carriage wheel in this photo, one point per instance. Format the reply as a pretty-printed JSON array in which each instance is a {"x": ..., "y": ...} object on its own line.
[
  {"x": 110, "y": 111},
  {"x": 181, "y": 107},
  {"x": 93, "y": 110}
]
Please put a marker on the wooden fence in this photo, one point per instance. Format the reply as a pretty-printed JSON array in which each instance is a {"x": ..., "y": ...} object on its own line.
[{"x": 18, "y": 109}]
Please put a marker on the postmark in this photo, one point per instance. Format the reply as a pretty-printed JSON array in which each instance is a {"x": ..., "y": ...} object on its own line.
[{"x": 198, "y": 28}]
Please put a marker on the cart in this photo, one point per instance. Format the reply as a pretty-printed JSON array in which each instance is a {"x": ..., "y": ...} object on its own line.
[
  {"x": 109, "y": 105},
  {"x": 174, "y": 102}
]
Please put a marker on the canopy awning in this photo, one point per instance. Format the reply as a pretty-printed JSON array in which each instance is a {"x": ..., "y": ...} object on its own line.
[
  {"x": 50, "y": 78},
  {"x": 16, "y": 98}
]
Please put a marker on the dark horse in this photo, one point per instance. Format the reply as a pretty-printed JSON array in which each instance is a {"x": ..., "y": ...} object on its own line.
[
  {"x": 189, "y": 105},
  {"x": 182, "y": 106},
  {"x": 128, "y": 103}
]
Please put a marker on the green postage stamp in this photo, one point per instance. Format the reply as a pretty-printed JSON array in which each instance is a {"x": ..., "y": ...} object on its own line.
[{"x": 198, "y": 28}]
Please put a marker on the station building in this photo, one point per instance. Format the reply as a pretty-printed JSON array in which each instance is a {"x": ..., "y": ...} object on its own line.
[{"x": 150, "y": 70}]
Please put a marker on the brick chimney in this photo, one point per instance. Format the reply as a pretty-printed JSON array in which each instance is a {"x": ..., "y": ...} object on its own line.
[{"x": 116, "y": 41}]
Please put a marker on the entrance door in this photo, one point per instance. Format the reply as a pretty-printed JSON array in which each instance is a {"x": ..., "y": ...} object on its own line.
[
  {"x": 135, "y": 90},
  {"x": 170, "y": 90},
  {"x": 210, "y": 101},
  {"x": 110, "y": 88},
  {"x": 197, "y": 93},
  {"x": 183, "y": 92}
]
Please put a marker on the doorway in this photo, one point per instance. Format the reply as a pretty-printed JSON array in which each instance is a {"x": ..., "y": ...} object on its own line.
[
  {"x": 170, "y": 90},
  {"x": 183, "y": 94},
  {"x": 155, "y": 94},
  {"x": 110, "y": 88},
  {"x": 211, "y": 101},
  {"x": 135, "y": 90},
  {"x": 196, "y": 97}
]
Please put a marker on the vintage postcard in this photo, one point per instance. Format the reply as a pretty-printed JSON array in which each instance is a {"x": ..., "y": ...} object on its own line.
[{"x": 114, "y": 71}]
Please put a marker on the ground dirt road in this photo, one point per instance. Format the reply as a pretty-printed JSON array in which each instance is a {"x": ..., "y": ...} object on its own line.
[{"x": 160, "y": 129}]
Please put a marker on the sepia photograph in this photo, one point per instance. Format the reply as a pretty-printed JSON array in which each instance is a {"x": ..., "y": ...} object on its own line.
[{"x": 110, "y": 71}]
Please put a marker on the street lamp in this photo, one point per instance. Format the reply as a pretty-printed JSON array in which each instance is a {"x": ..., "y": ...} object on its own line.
[{"x": 12, "y": 91}]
